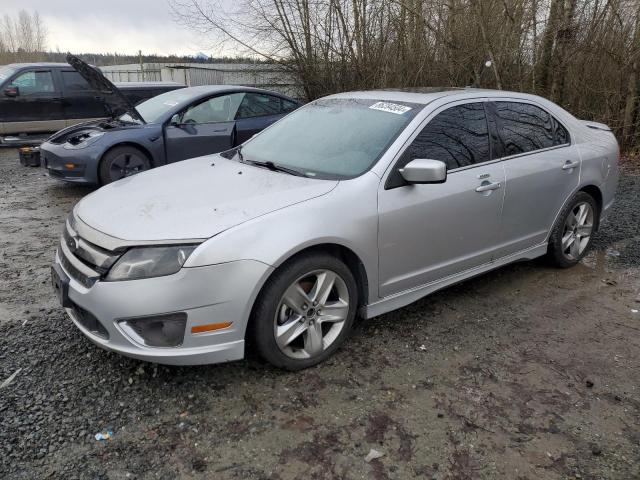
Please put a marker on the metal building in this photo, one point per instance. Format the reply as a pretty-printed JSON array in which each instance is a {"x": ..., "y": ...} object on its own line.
[{"x": 269, "y": 76}]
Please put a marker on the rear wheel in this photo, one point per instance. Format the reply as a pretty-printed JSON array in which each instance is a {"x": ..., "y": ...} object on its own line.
[
  {"x": 574, "y": 230},
  {"x": 121, "y": 162},
  {"x": 305, "y": 311}
]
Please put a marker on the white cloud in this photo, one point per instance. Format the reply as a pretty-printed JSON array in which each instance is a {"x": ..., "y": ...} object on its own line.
[{"x": 122, "y": 26}]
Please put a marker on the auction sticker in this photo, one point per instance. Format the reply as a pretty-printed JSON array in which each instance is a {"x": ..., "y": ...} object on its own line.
[{"x": 390, "y": 107}]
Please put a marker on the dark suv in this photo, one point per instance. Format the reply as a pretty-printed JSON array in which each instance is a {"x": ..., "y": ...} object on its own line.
[{"x": 37, "y": 98}]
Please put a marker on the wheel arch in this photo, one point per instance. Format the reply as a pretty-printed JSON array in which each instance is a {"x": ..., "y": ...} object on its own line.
[
  {"x": 129, "y": 143},
  {"x": 595, "y": 192},
  {"x": 347, "y": 255}
]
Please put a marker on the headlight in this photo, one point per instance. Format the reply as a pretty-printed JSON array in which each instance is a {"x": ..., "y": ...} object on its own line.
[
  {"x": 150, "y": 262},
  {"x": 83, "y": 140}
]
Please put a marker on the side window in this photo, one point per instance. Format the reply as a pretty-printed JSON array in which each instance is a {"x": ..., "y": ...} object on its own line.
[
  {"x": 288, "y": 106},
  {"x": 561, "y": 136},
  {"x": 222, "y": 108},
  {"x": 34, "y": 82},
  {"x": 259, "y": 105},
  {"x": 458, "y": 137},
  {"x": 525, "y": 128},
  {"x": 74, "y": 82}
]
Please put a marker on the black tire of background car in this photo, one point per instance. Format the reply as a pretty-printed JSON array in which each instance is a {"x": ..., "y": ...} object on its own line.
[
  {"x": 554, "y": 251},
  {"x": 260, "y": 332},
  {"x": 104, "y": 169}
]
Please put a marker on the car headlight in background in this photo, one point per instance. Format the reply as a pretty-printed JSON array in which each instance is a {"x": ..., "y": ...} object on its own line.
[
  {"x": 83, "y": 140},
  {"x": 147, "y": 262}
]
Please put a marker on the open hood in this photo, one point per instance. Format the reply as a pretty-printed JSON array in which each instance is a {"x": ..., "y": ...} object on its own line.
[{"x": 115, "y": 101}]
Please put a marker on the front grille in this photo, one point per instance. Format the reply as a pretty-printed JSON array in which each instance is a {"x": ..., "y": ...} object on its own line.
[
  {"x": 84, "y": 261},
  {"x": 75, "y": 273},
  {"x": 90, "y": 322}
]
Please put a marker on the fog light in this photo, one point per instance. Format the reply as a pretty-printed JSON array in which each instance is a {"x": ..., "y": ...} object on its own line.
[
  {"x": 158, "y": 330},
  {"x": 70, "y": 166}
]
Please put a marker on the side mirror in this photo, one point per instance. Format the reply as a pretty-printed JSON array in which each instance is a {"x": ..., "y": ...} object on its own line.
[
  {"x": 175, "y": 120},
  {"x": 11, "y": 91},
  {"x": 422, "y": 170}
]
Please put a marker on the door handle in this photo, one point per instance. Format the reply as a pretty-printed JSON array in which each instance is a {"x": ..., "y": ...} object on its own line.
[
  {"x": 488, "y": 186},
  {"x": 569, "y": 165}
]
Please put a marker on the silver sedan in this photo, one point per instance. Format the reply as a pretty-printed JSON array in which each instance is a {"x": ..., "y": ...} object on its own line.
[{"x": 358, "y": 203}]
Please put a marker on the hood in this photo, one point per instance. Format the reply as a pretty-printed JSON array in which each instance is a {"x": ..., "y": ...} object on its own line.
[
  {"x": 76, "y": 132},
  {"x": 115, "y": 101},
  {"x": 193, "y": 199}
]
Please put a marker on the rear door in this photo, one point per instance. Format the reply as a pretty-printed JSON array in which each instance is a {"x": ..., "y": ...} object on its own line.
[
  {"x": 542, "y": 170},
  {"x": 37, "y": 107},
  {"x": 80, "y": 101},
  {"x": 205, "y": 127},
  {"x": 257, "y": 111},
  {"x": 429, "y": 232}
]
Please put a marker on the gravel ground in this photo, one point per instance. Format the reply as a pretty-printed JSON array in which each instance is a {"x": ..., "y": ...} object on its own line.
[{"x": 527, "y": 372}]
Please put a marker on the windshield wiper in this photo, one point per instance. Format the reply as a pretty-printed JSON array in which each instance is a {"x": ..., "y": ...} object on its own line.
[{"x": 270, "y": 165}]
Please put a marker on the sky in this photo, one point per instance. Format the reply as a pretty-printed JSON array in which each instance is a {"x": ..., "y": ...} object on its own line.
[{"x": 123, "y": 26}]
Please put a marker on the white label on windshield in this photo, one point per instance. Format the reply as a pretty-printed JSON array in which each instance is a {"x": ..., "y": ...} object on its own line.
[
  {"x": 390, "y": 107},
  {"x": 170, "y": 103}
]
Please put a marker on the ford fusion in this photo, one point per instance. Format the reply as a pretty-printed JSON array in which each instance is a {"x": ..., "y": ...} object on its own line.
[{"x": 358, "y": 203}]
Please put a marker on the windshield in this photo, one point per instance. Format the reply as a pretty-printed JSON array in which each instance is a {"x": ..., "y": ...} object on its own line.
[
  {"x": 151, "y": 110},
  {"x": 332, "y": 138},
  {"x": 6, "y": 72}
]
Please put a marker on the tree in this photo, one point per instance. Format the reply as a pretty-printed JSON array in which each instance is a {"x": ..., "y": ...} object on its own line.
[{"x": 22, "y": 37}]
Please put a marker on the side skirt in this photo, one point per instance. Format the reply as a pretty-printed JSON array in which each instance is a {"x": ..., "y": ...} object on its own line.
[{"x": 401, "y": 299}]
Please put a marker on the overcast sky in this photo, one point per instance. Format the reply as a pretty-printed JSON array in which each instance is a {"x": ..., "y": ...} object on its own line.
[{"x": 123, "y": 26}]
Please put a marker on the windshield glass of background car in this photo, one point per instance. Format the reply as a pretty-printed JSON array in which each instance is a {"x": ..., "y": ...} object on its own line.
[
  {"x": 332, "y": 138},
  {"x": 5, "y": 72},
  {"x": 152, "y": 109}
]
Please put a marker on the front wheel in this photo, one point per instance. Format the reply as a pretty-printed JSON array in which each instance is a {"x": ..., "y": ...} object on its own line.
[
  {"x": 305, "y": 311},
  {"x": 121, "y": 162},
  {"x": 574, "y": 230}
]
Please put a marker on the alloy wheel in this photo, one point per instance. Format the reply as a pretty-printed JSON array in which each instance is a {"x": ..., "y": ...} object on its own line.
[
  {"x": 127, "y": 164},
  {"x": 577, "y": 231},
  {"x": 311, "y": 314}
]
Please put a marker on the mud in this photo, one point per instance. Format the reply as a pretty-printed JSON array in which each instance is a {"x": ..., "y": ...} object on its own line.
[{"x": 527, "y": 372}]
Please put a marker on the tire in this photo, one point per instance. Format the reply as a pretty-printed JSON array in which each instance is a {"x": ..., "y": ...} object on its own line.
[
  {"x": 284, "y": 332},
  {"x": 571, "y": 236},
  {"x": 120, "y": 162}
]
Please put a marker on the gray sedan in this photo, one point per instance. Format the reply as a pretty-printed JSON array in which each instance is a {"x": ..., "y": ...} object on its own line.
[
  {"x": 358, "y": 203},
  {"x": 176, "y": 125}
]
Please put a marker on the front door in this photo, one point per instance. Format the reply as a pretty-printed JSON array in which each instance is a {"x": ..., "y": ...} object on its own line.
[
  {"x": 429, "y": 232},
  {"x": 203, "y": 128},
  {"x": 542, "y": 168},
  {"x": 257, "y": 111},
  {"x": 36, "y": 105}
]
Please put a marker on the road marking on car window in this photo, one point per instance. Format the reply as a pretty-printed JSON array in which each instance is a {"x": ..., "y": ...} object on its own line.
[{"x": 390, "y": 107}]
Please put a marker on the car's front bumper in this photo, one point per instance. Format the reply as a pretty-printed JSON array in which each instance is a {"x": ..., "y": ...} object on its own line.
[
  {"x": 210, "y": 294},
  {"x": 75, "y": 166}
]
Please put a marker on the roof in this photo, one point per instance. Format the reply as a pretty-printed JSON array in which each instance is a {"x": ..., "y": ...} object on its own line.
[
  {"x": 38, "y": 64},
  {"x": 132, "y": 85},
  {"x": 424, "y": 95},
  {"x": 208, "y": 89}
]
